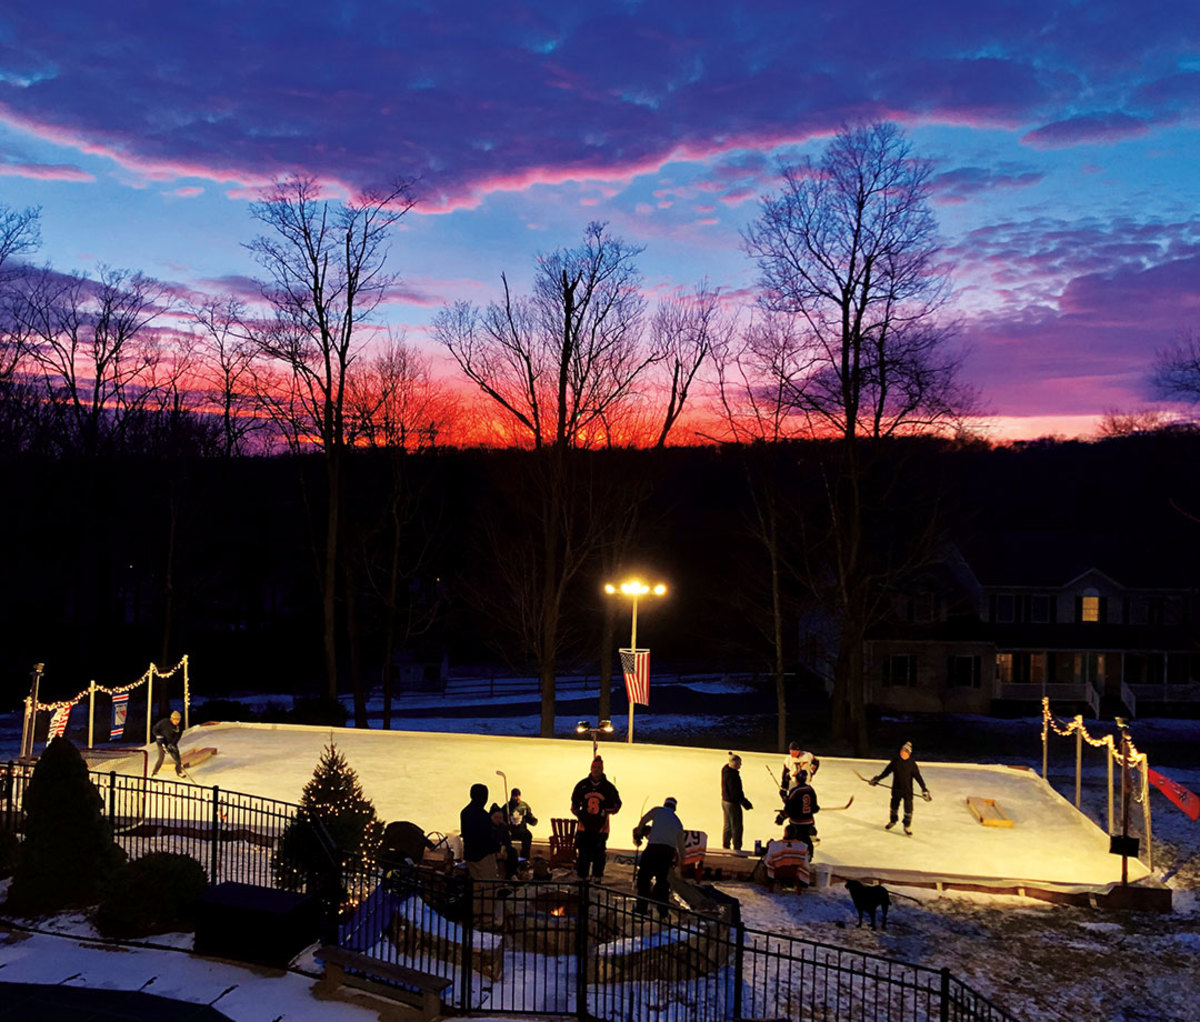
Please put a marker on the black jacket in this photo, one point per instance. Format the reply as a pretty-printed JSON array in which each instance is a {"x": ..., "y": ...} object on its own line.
[
  {"x": 904, "y": 772},
  {"x": 731, "y": 787},
  {"x": 593, "y": 802},
  {"x": 478, "y": 834},
  {"x": 801, "y": 804},
  {"x": 166, "y": 732}
]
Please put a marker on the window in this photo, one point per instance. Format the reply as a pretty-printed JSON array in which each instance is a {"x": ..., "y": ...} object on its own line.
[
  {"x": 1039, "y": 609},
  {"x": 1139, "y": 611},
  {"x": 900, "y": 669},
  {"x": 963, "y": 671},
  {"x": 1089, "y": 608},
  {"x": 1004, "y": 668},
  {"x": 1006, "y": 608}
]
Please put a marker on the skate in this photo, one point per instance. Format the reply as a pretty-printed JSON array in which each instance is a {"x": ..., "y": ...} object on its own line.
[
  {"x": 908, "y": 831},
  {"x": 889, "y": 825}
]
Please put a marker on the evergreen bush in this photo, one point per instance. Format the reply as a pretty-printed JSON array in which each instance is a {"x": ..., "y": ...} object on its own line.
[
  {"x": 333, "y": 798},
  {"x": 157, "y": 893},
  {"x": 9, "y": 843},
  {"x": 68, "y": 848}
]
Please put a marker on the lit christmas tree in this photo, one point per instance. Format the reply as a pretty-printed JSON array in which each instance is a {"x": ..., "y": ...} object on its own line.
[{"x": 333, "y": 798}]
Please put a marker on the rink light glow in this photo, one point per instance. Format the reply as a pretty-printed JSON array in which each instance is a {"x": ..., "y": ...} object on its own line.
[{"x": 635, "y": 587}]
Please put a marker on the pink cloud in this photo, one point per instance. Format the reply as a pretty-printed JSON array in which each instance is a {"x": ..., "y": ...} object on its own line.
[
  {"x": 45, "y": 171},
  {"x": 190, "y": 192}
]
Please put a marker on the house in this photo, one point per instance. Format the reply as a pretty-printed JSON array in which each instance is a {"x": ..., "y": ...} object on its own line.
[{"x": 1094, "y": 625}]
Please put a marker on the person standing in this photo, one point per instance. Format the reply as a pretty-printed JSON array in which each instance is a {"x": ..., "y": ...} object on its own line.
[
  {"x": 593, "y": 801},
  {"x": 520, "y": 819},
  {"x": 507, "y": 856},
  {"x": 799, "y": 809},
  {"x": 166, "y": 734},
  {"x": 798, "y": 760},
  {"x": 733, "y": 801},
  {"x": 480, "y": 850},
  {"x": 663, "y": 832},
  {"x": 903, "y": 770}
]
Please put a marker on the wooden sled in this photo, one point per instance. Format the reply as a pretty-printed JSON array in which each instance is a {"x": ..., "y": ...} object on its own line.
[
  {"x": 987, "y": 812},
  {"x": 194, "y": 757}
]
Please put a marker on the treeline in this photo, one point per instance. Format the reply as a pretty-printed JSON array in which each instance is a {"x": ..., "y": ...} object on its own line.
[{"x": 220, "y": 558}]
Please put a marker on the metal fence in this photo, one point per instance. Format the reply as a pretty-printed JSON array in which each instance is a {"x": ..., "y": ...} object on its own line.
[
  {"x": 552, "y": 948},
  {"x": 232, "y": 834},
  {"x": 584, "y": 949}
]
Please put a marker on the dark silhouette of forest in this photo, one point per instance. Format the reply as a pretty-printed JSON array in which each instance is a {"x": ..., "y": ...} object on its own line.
[{"x": 113, "y": 561}]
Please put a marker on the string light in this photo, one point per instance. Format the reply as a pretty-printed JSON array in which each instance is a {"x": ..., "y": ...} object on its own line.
[
  {"x": 121, "y": 689},
  {"x": 1136, "y": 759}
]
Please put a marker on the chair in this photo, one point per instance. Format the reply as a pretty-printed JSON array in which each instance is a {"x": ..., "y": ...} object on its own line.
[
  {"x": 562, "y": 842},
  {"x": 695, "y": 845}
]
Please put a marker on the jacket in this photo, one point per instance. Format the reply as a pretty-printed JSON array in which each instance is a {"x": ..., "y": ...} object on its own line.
[{"x": 593, "y": 802}]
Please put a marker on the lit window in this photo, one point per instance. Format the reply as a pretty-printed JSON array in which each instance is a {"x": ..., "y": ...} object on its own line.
[{"x": 1090, "y": 609}]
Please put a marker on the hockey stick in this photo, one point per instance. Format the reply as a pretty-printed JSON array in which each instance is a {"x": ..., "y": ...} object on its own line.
[
  {"x": 838, "y": 809},
  {"x": 637, "y": 848},
  {"x": 925, "y": 794},
  {"x": 782, "y": 790},
  {"x": 504, "y": 777}
]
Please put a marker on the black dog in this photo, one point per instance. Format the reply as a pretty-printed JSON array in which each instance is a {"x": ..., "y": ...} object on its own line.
[{"x": 867, "y": 898}]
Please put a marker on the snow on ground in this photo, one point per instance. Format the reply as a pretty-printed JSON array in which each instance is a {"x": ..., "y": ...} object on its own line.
[{"x": 425, "y": 777}]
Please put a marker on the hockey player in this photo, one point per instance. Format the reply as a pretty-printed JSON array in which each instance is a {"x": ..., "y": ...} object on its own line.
[
  {"x": 797, "y": 759},
  {"x": 904, "y": 770},
  {"x": 593, "y": 801},
  {"x": 733, "y": 801},
  {"x": 167, "y": 733},
  {"x": 798, "y": 811},
  {"x": 661, "y": 828}
]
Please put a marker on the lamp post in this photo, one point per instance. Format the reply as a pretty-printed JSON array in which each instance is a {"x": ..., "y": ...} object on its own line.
[
  {"x": 585, "y": 728},
  {"x": 635, "y": 589}
]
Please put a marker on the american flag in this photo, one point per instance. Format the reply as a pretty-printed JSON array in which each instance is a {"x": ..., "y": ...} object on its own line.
[
  {"x": 58, "y": 721},
  {"x": 636, "y": 665},
  {"x": 120, "y": 708}
]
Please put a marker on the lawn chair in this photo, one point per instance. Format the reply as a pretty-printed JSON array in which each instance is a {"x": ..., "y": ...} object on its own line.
[
  {"x": 562, "y": 842},
  {"x": 695, "y": 844},
  {"x": 787, "y": 860}
]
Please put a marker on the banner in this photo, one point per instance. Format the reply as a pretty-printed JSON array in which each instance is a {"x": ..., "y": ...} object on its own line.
[
  {"x": 636, "y": 665},
  {"x": 1187, "y": 801},
  {"x": 58, "y": 721},
  {"x": 120, "y": 708}
]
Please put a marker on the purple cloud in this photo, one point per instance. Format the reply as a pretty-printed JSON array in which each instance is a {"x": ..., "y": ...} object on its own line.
[
  {"x": 1102, "y": 129},
  {"x": 490, "y": 97},
  {"x": 964, "y": 183}
]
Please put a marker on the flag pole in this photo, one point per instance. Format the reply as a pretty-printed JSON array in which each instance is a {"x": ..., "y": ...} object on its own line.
[{"x": 633, "y": 650}]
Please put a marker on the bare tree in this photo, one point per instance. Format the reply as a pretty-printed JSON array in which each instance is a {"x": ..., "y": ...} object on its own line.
[
  {"x": 555, "y": 363},
  {"x": 19, "y": 233},
  {"x": 225, "y": 369},
  {"x": 686, "y": 331},
  {"x": 91, "y": 343},
  {"x": 1177, "y": 369},
  {"x": 325, "y": 275},
  {"x": 848, "y": 248}
]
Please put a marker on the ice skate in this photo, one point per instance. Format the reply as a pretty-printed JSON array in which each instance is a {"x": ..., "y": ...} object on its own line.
[
  {"x": 889, "y": 825},
  {"x": 908, "y": 831}
]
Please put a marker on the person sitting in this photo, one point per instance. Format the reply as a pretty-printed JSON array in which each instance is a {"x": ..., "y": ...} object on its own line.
[{"x": 520, "y": 819}]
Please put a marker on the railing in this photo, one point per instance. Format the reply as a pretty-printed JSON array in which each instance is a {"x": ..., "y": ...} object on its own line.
[
  {"x": 583, "y": 949},
  {"x": 1058, "y": 692},
  {"x": 231, "y": 834}
]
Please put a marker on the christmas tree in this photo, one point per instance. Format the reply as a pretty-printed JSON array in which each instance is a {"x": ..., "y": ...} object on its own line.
[{"x": 333, "y": 801}]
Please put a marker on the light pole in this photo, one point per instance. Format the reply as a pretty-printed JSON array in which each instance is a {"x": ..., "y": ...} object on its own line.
[
  {"x": 584, "y": 727},
  {"x": 635, "y": 589}
]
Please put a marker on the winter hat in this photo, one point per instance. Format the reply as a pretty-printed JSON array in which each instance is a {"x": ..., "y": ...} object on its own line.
[
  {"x": 495, "y": 809},
  {"x": 734, "y": 759},
  {"x": 516, "y": 792},
  {"x": 598, "y": 762},
  {"x": 176, "y": 716},
  {"x": 669, "y": 802},
  {"x": 906, "y": 747},
  {"x": 793, "y": 745}
]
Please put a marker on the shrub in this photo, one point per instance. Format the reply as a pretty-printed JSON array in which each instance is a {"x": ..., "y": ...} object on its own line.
[
  {"x": 9, "y": 843},
  {"x": 156, "y": 894},
  {"x": 68, "y": 848}
]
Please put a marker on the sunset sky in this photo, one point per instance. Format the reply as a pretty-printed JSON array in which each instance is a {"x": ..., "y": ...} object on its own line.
[{"x": 1066, "y": 138}]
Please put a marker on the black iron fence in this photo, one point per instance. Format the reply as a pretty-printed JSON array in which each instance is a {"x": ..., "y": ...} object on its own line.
[
  {"x": 232, "y": 834},
  {"x": 552, "y": 948},
  {"x": 584, "y": 949}
]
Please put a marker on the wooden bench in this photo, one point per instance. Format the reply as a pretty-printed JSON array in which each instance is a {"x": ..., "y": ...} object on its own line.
[{"x": 421, "y": 990}]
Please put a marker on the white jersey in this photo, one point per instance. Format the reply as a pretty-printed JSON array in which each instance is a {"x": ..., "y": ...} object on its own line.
[{"x": 792, "y": 765}]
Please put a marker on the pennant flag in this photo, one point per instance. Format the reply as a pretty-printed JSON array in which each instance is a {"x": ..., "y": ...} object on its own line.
[
  {"x": 1187, "y": 801},
  {"x": 58, "y": 721},
  {"x": 120, "y": 708},
  {"x": 636, "y": 665}
]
